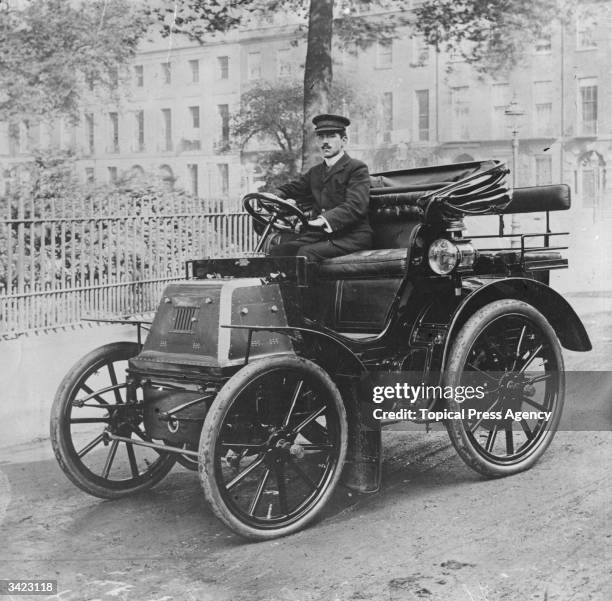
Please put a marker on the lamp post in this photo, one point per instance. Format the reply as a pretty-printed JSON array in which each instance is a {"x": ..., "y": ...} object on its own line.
[{"x": 514, "y": 114}]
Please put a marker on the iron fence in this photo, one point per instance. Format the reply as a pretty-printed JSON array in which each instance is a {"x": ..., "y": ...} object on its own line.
[{"x": 65, "y": 259}]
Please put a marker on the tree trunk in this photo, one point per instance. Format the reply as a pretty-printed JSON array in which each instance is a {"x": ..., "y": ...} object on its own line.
[{"x": 317, "y": 73}]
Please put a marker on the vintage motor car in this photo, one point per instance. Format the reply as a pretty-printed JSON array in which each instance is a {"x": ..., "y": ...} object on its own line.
[{"x": 259, "y": 372}]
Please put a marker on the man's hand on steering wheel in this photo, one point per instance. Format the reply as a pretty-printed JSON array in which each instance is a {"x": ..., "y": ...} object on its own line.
[{"x": 271, "y": 211}]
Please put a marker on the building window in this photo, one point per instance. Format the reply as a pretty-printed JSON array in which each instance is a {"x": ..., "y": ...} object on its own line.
[
  {"x": 384, "y": 55},
  {"x": 422, "y": 98},
  {"x": 112, "y": 174},
  {"x": 139, "y": 130},
  {"x": 194, "y": 67},
  {"x": 223, "y": 66},
  {"x": 89, "y": 175},
  {"x": 460, "y": 112},
  {"x": 356, "y": 128},
  {"x": 585, "y": 32},
  {"x": 223, "y": 170},
  {"x": 193, "y": 178},
  {"x": 23, "y": 137},
  {"x": 591, "y": 179},
  {"x": 167, "y": 129},
  {"x": 542, "y": 94},
  {"x": 543, "y": 170},
  {"x": 114, "y": 77},
  {"x": 13, "y": 138},
  {"x": 194, "y": 111},
  {"x": 543, "y": 45},
  {"x": 588, "y": 105},
  {"x": 386, "y": 113},
  {"x": 283, "y": 63},
  {"x": 223, "y": 111},
  {"x": 139, "y": 75},
  {"x": 114, "y": 132},
  {"x": 166, "y": 73},
  {"x": 500, "y": 95},
  {"x": 420, "y": 50},
  {"x": 90, "y": 133},
  {"x": 254, "y": 66}
]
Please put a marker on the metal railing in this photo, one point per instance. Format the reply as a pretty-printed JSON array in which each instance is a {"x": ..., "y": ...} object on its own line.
[{"x": 63, "y": 260}]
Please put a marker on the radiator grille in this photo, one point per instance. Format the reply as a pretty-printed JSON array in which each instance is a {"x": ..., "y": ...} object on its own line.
[{"x": 183, "y": 319}]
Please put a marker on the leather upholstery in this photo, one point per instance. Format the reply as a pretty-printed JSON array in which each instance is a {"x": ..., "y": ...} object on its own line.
[
  {"x": 540, "y": 198},
  {"x": 381, "y": 263}
]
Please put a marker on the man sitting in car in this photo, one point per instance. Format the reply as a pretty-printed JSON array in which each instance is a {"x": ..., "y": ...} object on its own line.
[{"x": 336, "y": 193}]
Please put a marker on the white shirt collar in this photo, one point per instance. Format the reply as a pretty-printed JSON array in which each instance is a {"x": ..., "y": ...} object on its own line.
[{"x": 331, "y": 162}]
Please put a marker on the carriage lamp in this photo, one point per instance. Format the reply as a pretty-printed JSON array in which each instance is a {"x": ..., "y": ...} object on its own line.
[{"x": 445, "y": 256}]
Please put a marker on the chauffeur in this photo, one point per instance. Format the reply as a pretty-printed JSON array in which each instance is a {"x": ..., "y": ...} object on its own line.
[{"x": 336, "y": 192}]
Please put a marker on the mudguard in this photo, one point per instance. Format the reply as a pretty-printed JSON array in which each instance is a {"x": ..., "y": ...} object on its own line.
[{"x": 479, "y": 291}]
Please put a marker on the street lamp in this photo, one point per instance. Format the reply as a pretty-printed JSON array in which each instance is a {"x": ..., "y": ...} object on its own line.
[{"x": 514, "y": 114}]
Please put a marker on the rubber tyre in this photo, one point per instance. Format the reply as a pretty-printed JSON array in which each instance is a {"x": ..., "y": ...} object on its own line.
[
  {"x": 61, "y": 436},
  {"x": 220, "y": 408},
  {"x": 471, "y": 453}
]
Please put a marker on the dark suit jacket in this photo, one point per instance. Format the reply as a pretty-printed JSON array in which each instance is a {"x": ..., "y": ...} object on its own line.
[{"x": 341, "y": 194}]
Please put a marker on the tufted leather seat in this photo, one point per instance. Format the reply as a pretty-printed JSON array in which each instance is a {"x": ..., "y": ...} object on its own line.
[{"x": 381, "y": 263}]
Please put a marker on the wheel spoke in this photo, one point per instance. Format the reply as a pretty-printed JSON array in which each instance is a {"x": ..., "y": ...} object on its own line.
[
  {"x": 132, "y": 457},
  {"x": 528, "y": 432},
  {"x": 96, "y": 441},
  {"x": 309, "y": 419},
  {"x": 477, "y": 424},
  {"x": 491, "y": 438},
  {"x": 538, "y": 406},
  {"x": 541, "y": 378},
  {"x": 259, "y": 492},
  {"x": 90, "y": 391},
  {"x": 282, "y": 489},
  {"x": 509, "y": 441},
  {"x": 531, "y": 357},
  {"x": 517, "y": 353},
  {"x": 484, "y": 373},
  {"x": 302, "y": 474},
  {"x": 245, "y": 472},
  {"x": 136, "y": 430},
  {"x": 113, "y": 378},
  {"x": 109, "y": 460},
  {"x": 296, "y": 394}
]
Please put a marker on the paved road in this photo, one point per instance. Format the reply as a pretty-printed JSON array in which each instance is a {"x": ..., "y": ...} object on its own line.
[{"x": 436, "y": 531}]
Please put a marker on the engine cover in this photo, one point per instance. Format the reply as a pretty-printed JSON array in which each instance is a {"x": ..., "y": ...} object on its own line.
[{"x": 189, "y": 337}]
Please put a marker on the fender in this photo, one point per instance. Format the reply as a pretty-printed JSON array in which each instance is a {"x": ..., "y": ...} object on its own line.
[{"x": 560, "y": 314}]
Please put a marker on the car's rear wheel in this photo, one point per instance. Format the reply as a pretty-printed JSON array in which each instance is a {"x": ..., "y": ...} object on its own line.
[
  {"x": 273, "y": 446},
  {"x": 90, "y": 403},
  {"x": 510, "y": 349}
]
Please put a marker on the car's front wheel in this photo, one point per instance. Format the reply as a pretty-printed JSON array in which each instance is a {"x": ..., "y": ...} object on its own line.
[
  {"x": 509, "y": 349},
  {"x": 273, "y": 446}
]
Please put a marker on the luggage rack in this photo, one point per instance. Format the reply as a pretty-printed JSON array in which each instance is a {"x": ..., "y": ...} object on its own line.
[{"x": 528, "y": 258}]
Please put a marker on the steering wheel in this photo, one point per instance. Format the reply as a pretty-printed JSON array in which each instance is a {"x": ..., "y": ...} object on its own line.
[{"x": 273, "y": 212}]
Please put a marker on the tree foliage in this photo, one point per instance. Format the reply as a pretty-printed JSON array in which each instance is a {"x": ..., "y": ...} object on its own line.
[
  {"x": 491, "y": 35},
  {"x": 51, "y": 49},
  {"x": 271, "y": 113}
]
